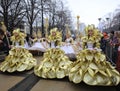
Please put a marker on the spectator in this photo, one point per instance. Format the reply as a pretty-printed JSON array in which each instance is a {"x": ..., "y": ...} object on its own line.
[
  {"x": 103, "y": 42},
  {"x": 114, "y": 44},
  {"x": 118, "y": 58},
  {"x": 4, "y": 46}
]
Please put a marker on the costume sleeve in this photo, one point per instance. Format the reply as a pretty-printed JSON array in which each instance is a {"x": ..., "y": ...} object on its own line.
[{"x": 97, "y": 45}]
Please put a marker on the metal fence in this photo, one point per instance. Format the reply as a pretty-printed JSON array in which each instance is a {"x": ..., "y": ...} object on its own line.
[{"x": 111, "y": 53}]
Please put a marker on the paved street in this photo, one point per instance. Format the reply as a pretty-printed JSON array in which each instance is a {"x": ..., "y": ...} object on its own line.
[{"x": 27, "y": 81}]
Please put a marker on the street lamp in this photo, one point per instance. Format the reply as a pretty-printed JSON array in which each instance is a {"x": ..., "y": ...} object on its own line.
[
  {"x": 99, "y": 19},
  {"x": 78, "y": 23},
  {"x": 99, "y": 25},
  {"x": 108, "y": 25}
]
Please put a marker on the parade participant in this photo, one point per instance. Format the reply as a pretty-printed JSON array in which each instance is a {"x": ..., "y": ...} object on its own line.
[
  {"x": 114, "y": 44},
  {"x": 4, "y": 40},
  {"x": 91, "y": 66},
  {"x": 39, "y": 43},
  {"x": 33, "y": 38},
  {"x": 26, "y": 45},
  {"x": 19, "y": 58},
  {"x": 103, "y": 42},
  {"x": 4, "y": 47},
  {"x": 118, "y": 56},
  {"x": 55, "y": 63},
  {"x": 68, "y": 44}
]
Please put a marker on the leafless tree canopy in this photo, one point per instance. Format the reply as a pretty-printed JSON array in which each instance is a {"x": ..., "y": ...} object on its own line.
[
  {"x": 15, "y": 13},
  {"x": 12, "y": 12}
]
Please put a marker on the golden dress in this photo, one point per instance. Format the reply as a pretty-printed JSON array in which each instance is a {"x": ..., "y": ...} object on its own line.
[
  {"x": 55, "y": 63},
  {"x": 19, "y": 58},
  {"x": 39, "y": 43},
  {"x": 92, "y": 67}
]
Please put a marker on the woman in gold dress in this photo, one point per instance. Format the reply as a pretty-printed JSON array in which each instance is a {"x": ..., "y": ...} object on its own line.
[
  {"x": 19, "y": 58},
  {"x": 91, "y": 66},
  {"x": 39, "y": 43},
  {"x": 54, "y": 64}
]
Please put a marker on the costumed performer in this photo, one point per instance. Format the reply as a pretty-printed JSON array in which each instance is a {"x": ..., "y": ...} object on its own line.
[
  {"x": 91, "y": 66},
  {"x": 55, "y": 63},
  {"x": 4, "y": 39},
  {"x": 19, "y": 58},
  {"x": 68, "y": 44},
  {"x": 39, "y": 43}
]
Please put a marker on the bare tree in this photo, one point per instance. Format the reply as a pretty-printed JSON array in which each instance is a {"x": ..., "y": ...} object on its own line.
[
  {"x": 16, "y": 14},
  {"x": 59, "y": 15},
  {"x": 12, "y": 12},
  {"x": 32, "y": 10},
  {"x": 4, "y": 10}
]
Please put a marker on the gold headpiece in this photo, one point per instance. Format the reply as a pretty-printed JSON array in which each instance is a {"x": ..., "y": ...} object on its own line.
[
  {"x": 89, "y": 27},
  {"x": 16, "y": 30},
  {"x": 34, "y": 34},
  {"x": 39, "y": 33},
  {"x": 68, "y": 30},
  {"x": 80, "y": 35},
  {"x": 57, "y": 35}
]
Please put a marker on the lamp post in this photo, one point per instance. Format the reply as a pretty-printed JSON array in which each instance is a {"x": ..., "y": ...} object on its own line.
[
  {"x": 99, "y": 25},
  {"x": 108, "y": 25},
  {"x": 78, "y": 23},
  {"x": 99, "y": 19}
]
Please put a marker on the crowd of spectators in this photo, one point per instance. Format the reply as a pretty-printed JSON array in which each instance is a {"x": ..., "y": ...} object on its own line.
[{"x": 110, "y": 45}]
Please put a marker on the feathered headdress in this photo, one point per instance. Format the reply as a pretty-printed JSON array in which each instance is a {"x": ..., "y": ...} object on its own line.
[
  {"x": 16, "y": 31},
  {"x": 68, "y": 32},
  {"x": 57, "y": 36},
  {"x": 34, "y": 34},
  {"x": 89, "y": 27},
  {"x": 39, "y": 34}
]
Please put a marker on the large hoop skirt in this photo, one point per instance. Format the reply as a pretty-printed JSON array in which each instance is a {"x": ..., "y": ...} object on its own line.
[
  {"x": 54, "y": 65},
  {"x": 19, "y": 59},
  {"x": 92, "y": 68}
]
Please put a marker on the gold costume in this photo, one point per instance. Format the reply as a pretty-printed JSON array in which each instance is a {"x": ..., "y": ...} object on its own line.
[
  {"x": 55, "y": 63},
  {"x": 19, "y": 58},
  {"x": 91, "y": 66},
  {"x": 39, "y": 43}
]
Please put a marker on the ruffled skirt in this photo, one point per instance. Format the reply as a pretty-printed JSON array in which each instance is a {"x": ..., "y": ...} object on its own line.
[{"x": 19, "y": 59}]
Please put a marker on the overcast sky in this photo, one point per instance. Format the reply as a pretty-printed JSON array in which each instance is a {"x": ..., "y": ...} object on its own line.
[{"x": 90, "y": 10}]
